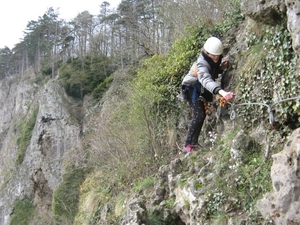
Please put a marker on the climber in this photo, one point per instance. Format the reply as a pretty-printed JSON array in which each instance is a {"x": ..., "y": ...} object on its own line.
[{"x": 199, "y": 86}]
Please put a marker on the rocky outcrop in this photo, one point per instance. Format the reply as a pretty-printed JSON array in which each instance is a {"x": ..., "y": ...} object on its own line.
[
  {"x": 184, "y": 188},
  {"x": 266, "y": 12},
  {"x": 55, "y": 132},
  {"x": 283, "y": 203},
  {"x": 273, "y": 12},
  {"x": 293, "y": 14}
]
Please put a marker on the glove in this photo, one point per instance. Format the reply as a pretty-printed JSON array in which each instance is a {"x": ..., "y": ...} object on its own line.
[{"x": 227, "y": 95}]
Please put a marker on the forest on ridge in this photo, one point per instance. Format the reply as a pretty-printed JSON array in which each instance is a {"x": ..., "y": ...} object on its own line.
[{"x": 137, "y": 29}]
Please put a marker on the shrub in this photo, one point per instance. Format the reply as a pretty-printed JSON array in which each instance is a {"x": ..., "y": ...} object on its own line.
[
  {"x": 25, "y": 127},
  {"x": 101, "y": 88},
  {"x": 81, "y": 76},
  {"x": 66, "y": 196},
  {"x": 23, "y": 210}
]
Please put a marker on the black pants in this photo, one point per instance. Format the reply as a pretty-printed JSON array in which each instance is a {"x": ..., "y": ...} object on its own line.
[{"x": 195, "y": 126}]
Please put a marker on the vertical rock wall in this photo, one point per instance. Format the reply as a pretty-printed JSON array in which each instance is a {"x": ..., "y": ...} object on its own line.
[
  {"x": 283, "y": 203},
  {"x": 56, "y": 131}
]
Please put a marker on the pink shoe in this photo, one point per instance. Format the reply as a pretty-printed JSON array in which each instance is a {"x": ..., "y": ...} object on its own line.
[{"x": 189, "y": 148}]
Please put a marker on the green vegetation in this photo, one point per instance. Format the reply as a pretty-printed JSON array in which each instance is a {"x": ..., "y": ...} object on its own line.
[
  {"x": 156, "y": 219},
  {"x": 98, "y": 92},
  {"x": 144, "y": 184},
  {"x": 96, "y": 192},
  {"x": 25, "y": 127},
  {"x": 23, "y": 210},
  {"x": 82, "y": 76},
  {"x": 66, "y": 196},
  {"x": 182, "y": 182},
  {"x": 240, "y": 187},
  {"x": 169, "y": 203},
  {"x": 139, "y": 126},
  {"x": 269, "y": 67}
]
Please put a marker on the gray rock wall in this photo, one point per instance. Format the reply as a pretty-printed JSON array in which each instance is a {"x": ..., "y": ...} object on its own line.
[
  {"x": 273, "y": 12},
  {"x": 56, "y": 132},
  {"x": 283, "y": 203},
  {"x": 293, "y": 14}
]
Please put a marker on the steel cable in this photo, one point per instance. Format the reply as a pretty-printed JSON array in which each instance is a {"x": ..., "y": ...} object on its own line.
[{"x": 270, "y": 107}]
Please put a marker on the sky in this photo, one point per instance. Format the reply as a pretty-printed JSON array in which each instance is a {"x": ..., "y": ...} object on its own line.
[{"x": 15, "y": 14}]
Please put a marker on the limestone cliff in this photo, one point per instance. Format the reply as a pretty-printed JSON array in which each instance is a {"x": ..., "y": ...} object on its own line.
[{"x": 55, "y": 131}]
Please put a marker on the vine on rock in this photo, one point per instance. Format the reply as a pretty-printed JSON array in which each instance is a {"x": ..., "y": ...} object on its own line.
[{"x": 269, "y": 75}]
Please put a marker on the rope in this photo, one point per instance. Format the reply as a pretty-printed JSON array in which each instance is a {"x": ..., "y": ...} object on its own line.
[{"x": 270, "y": 107}]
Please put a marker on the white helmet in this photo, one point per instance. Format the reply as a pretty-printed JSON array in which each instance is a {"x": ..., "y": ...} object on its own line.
[{"x": 213, "y": 46}]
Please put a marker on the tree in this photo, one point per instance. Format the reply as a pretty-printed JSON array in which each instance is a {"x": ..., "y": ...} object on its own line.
[
  {"x": 137, "y": 29},
  {"x": 41, "y": 40},
  {"x": 82, "y": 30},
  {"x": 5, "y": 62}
]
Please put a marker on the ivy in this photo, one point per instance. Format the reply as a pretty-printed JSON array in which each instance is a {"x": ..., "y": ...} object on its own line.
[{"x": 269, "y": 75}]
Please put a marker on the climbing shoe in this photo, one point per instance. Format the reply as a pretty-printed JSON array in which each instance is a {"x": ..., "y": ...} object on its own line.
[{"x": 189, "y": 148}]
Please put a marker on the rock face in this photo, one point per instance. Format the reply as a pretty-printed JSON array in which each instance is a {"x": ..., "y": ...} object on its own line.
[
  {"x": 268, "y": 12},
  {"x": 283, "y": 203},
  {"x": 53, "y": 135},
  {"x": 271, "y": 12},
  {"x": 293, "y": 14},
  {"x": 189, "y": 196}
]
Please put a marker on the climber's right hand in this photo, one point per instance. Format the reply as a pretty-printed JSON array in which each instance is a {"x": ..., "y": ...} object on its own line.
[{"x": 227, "y": 95}]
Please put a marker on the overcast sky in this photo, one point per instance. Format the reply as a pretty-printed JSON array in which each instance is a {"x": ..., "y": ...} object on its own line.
[{"x": 15, "y": 14}]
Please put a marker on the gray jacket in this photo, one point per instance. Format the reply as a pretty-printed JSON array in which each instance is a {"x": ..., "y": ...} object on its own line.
[{"x": 206, "y": 76}]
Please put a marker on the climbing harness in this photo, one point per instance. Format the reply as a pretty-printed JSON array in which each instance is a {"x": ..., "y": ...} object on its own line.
[{"x": 270, "y": 107}]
